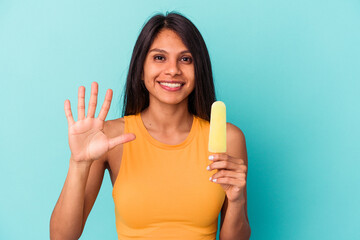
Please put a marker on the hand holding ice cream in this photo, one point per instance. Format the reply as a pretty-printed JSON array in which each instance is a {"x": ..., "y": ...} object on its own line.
[{"x": 231, "y": 174}]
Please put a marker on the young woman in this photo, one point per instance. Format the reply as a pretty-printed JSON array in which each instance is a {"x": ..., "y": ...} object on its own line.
[{"x": 166, "y": 185}]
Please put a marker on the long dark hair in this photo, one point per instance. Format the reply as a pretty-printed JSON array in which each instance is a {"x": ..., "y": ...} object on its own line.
[{"x": 200, "y": 99}]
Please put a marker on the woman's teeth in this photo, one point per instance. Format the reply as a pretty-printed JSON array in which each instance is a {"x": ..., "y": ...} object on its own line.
[{"x": 172, "y": 85}]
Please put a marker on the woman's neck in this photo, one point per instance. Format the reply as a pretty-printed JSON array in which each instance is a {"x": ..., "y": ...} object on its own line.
[{"x": 167, "y": 118}]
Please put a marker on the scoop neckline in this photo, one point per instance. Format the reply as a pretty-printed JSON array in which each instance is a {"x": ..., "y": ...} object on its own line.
[{"x": 162, "y": 145}]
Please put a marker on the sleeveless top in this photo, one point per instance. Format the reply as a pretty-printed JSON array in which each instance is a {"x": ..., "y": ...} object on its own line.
[{"x": 163, "y": 191}]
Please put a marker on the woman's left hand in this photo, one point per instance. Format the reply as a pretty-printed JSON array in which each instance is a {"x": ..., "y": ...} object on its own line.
[{"x": 231, "y": 175}]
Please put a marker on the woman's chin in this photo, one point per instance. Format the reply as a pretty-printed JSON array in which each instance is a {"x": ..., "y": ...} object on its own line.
[{"x": 172, "y": 101}]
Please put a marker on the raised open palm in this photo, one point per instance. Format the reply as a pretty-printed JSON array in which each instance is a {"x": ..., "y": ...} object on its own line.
[{"x": 86, "y": 137}]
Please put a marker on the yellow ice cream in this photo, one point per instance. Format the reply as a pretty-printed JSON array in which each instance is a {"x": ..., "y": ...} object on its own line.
[{"x": 217, "y": 136}]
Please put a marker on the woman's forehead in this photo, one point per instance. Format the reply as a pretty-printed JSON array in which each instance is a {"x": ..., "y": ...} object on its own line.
[{"x": 168, "y": 41}]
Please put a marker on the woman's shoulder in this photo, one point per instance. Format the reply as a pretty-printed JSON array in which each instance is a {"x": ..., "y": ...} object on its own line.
[
  {"x": 114, "y": 127},
  {"x": 234, "y": 132},
  {"x": 236, "y": 145}
]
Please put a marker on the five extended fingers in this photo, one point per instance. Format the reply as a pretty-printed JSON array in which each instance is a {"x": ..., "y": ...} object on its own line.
[{"x": 92, "y": 104}]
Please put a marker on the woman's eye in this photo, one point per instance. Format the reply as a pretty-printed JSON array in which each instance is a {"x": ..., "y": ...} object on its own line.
[
  {"x": 186, "y": 59},
  {"x": 160, "y": 58}
]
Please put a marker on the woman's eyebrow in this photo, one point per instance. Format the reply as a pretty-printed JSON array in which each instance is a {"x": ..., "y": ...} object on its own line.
[
  {"x": 157, "y": 50},
  {"x": 163, "y": 51}
]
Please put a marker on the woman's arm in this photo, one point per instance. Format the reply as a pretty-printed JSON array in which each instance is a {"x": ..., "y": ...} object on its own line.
[
  {"x": 231, "y": 175},
  {"x": 234, "y": 221},
  {"x": 234, "y": 218},
  {"x": 77, "y": 197},
  {"x": 89, "y": 143}
]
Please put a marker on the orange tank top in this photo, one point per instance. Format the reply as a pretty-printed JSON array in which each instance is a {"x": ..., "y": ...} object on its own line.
[{"x": 163, "y": 191}]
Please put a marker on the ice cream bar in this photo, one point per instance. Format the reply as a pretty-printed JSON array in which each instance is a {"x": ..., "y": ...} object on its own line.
[{"x": 217, "y": 136}]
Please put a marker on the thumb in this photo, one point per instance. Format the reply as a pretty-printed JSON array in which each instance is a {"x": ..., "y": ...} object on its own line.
[{"x": 124, "y": 138}]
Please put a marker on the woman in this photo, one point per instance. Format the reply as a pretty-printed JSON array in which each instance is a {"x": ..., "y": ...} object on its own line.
[{"x": 162, "y": 190}]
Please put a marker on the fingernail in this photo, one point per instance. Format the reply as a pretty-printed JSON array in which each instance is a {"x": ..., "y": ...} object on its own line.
[
  {"x": 214, "y": 180},
  {"x": 210, "y": 178},
  {"x": 208, "y": 168},
  {"x": 211, "y": 157}
]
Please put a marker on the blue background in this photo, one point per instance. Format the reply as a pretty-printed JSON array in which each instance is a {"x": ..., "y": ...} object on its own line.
[{"x": 288, "y": 71}]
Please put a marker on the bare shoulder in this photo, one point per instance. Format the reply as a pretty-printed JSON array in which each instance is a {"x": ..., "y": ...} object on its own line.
[
  {"x": 234, "y": 133},
  {"x": 236, "y": 144},
  {"x": 115, "y": 127}
]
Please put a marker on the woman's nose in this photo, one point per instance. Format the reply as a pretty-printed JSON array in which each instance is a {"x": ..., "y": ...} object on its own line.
[{"x": 172, "y": 68}]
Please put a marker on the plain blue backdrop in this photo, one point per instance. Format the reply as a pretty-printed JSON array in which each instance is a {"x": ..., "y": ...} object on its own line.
[{"x": 288, "y": 71}]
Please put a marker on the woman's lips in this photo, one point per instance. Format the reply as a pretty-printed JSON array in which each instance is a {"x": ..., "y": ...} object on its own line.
[{"x": 171, "y": 86}]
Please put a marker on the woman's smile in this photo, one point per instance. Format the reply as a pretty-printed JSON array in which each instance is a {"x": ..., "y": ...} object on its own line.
[{"x": 171, "y": 85}]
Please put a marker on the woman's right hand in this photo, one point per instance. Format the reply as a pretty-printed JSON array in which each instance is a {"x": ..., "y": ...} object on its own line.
[{"x": 86, "y": 137}]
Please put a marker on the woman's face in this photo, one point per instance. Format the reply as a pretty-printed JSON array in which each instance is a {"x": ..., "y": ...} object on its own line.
[{"x": 169, "y": 69}]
